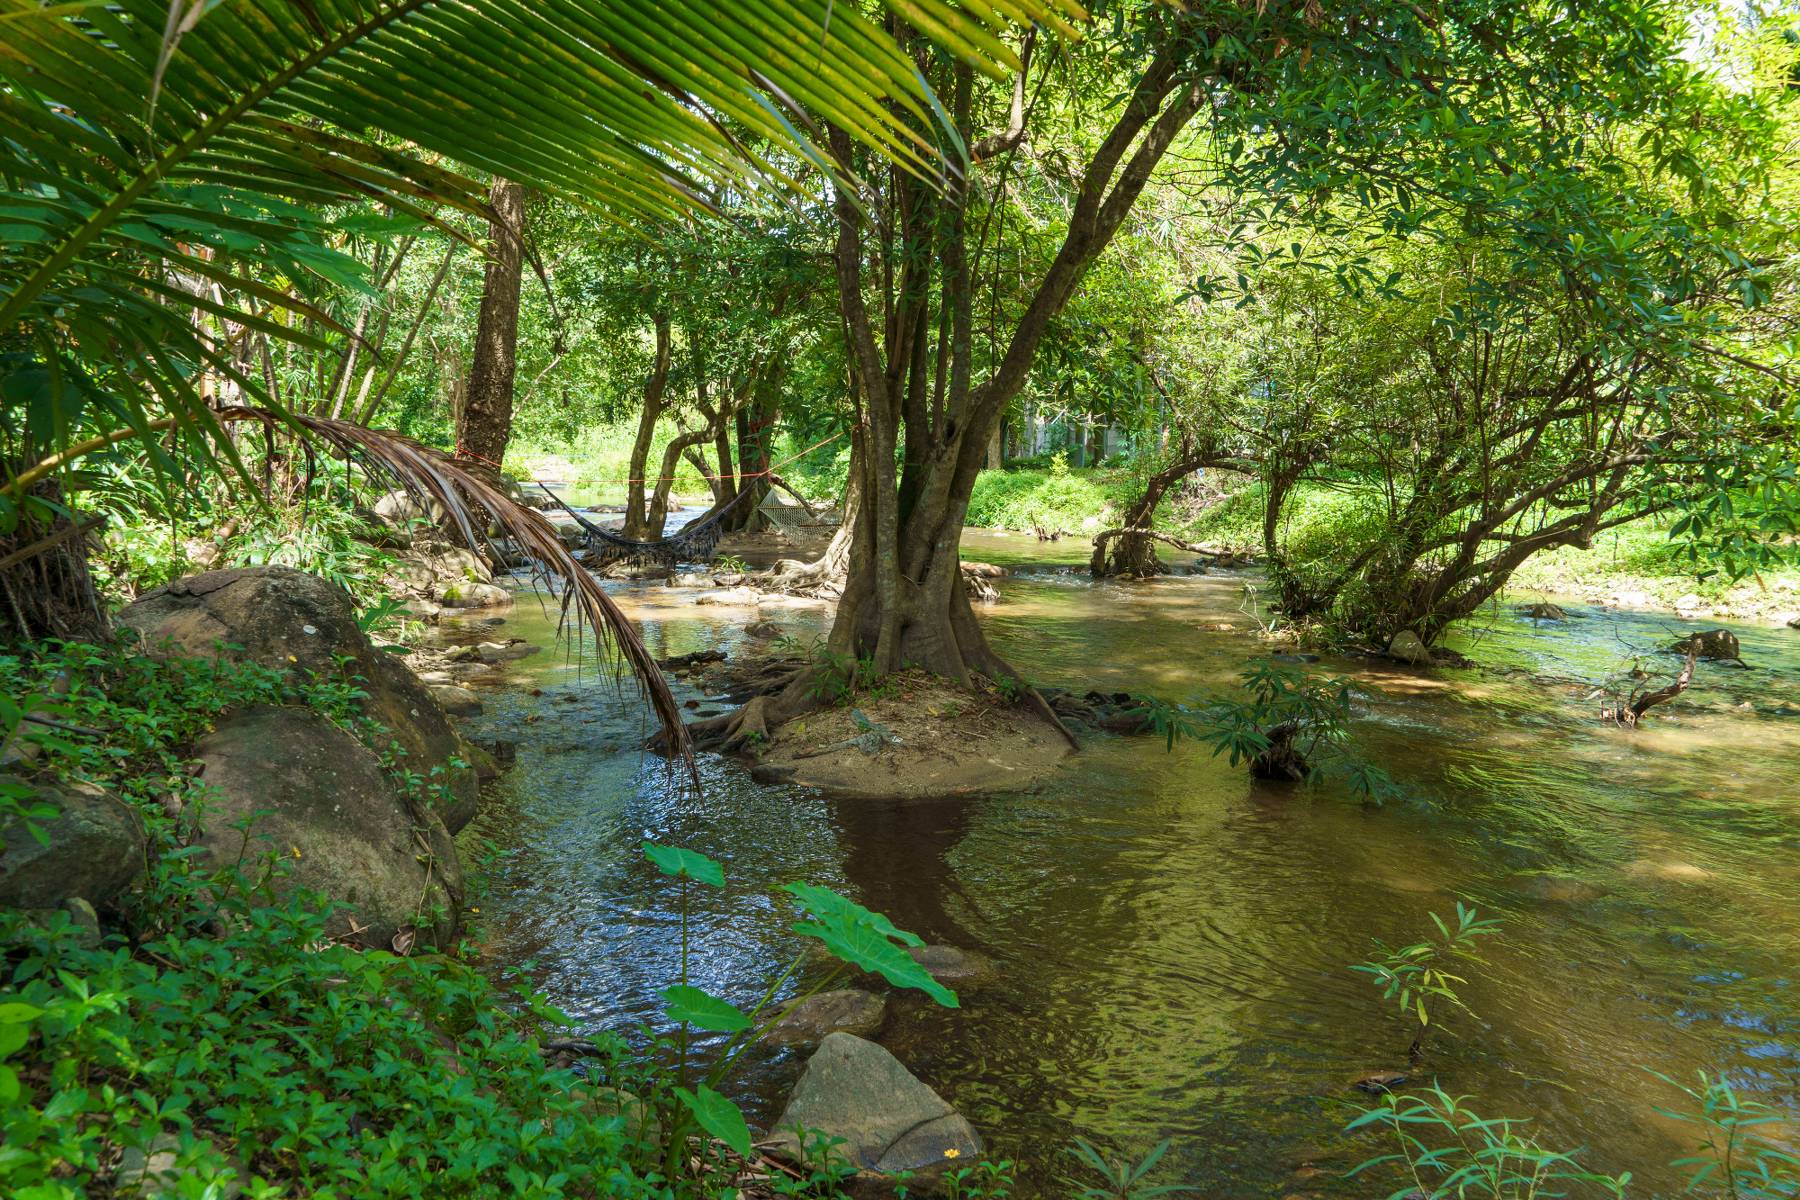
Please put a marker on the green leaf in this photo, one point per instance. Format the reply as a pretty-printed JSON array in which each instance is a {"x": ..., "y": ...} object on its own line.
[
  {"x": 865, "y": 939},
  {"x": 15, "y": 1012},
  {"x": 698, "y": 1008},
  {"x": 718, "y": 1116},
  {"x": 685, "y": 864}
]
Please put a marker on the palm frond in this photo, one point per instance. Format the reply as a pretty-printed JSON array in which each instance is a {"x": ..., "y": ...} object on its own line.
[{"x": 475, "y": 506}]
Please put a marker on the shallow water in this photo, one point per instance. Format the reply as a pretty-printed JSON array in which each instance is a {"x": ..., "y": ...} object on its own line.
[{"x": 1174, "y": 939}]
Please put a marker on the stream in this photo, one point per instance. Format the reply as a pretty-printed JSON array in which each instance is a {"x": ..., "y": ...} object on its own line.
[{"x": 1174, "y": 939}]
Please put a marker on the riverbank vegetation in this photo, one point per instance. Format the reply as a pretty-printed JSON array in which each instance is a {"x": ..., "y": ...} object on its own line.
[{"x": 313, "y": 317}]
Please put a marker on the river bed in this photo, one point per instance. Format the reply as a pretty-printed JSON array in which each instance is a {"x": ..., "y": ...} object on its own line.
[{"x": 1174, "y": 939}]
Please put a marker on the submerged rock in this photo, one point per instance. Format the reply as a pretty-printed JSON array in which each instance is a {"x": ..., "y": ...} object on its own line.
[
  {"x": 765, "y": 630},
  {"x": 846, "y": 1010},
  {"x": 952, "y": 967},
  {"x": 889, "y": 1120},
  {"x": 94, "y": 849},
  {"x": 1377, "y": 1082},
  {"x": 1561, "y": 889},
  {"x": 1667, "y": 871},
  {"x": 1544, "y": 611},
  {"x": 284, "y": 618},
  {"x": 1711, "y": 643}
]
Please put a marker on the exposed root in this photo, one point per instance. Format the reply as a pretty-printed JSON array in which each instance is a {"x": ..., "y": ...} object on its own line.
[{"x": 1633, "y": 710}]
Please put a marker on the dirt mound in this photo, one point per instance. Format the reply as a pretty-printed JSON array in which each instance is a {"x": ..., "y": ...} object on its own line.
[{"x": 916, "y": 736}]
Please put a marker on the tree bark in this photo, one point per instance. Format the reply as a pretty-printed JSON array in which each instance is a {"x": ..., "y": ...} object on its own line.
[
  {"x": 484, "y": 422},
  {"x": 1132, "y": 551},
  {"x": 635, "y": 524}
]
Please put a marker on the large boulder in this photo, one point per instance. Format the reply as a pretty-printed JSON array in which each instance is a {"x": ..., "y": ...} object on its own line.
[
  {"x": 281, "y": 617},
  {"x": 889, "y": 1120},
  {"x": 94, "y": 849},
  {"x": 289, "y": 782}
]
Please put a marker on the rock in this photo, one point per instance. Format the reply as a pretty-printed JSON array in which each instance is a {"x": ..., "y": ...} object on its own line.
[
  {"x": 400, "y": 510},
  {"x": 742, "y": 595},
  {"x": 157, "y": 1172},
  {"x": 83, "y": 920},
  {"x": 457, "y": 701},
  {"x": 281, "y": 617},
  {"x": 1377, "y": 1082},
  {"x": 1712, "y": 643},
  {"x": 846, "y": 1010},
  {"x": 95, "y": 849},
  {"x": 889, "y": 1120},
  {"x": 952, "y": 967},
  {"x": 1689, "y": 603},
  {"x": 433, "y": 562},
  {"x": 1667, "y": 871},
  {"x": 1631, "y": 598},
  {"x": 687, "y": 662},
  {"x": 1544, "y": 611},
  {"x": 1793, "y": 622},
  {"x": 1561, "y": 889},
  {"x": 1407, "y": 647},
  {"x": 499, "y": 652},
  {"x": 319, "y": 800},
  {"x": 474, "y": 595},
  {"x": 766, "y": 630}
]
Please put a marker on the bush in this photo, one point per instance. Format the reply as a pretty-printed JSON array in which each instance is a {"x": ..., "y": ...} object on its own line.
[{"x": 1051, "y": 499}]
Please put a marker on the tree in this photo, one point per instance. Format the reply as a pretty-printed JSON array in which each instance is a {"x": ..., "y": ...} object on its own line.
[
  {"x": 168, "y": 184},
  {"x": 1389, "y": 105},
  {"x": 484, "y": 421}
]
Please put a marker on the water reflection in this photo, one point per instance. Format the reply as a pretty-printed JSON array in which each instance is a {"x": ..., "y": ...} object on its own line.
[{"x": 1172, "y": 943}]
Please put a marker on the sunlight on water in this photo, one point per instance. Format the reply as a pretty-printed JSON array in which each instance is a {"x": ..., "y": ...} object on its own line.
[{"x": 1173, "y": 940}]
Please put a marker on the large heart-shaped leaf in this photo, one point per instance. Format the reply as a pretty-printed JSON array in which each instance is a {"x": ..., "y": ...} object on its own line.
[
  {"x": 865, "y": 939},
  {"x": 702, "y": 1010},
  {"x": 718, "y": 1116},
  {"x": 685, "y": 864},
  {"x": 824, "y": 903}
]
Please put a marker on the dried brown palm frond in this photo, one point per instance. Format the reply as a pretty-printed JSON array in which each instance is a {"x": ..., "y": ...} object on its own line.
[{"x": 475, "y": 505}]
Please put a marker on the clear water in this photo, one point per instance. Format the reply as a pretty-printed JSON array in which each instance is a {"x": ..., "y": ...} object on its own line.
[{"x": 1173, "y": 938}]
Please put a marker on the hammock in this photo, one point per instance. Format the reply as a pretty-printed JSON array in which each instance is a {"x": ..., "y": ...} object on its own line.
[{"x": 693, "y": 542}]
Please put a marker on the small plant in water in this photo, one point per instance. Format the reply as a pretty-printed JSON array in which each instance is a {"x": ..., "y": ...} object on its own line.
[
  {"x": 1734, "y": 1156},
  {"x": 1291, "y": 726},
  {"x": 1414, "y": 978},
  {"x": 1119, "y": 1178},
  {"x": 1445, "y": 1149}
]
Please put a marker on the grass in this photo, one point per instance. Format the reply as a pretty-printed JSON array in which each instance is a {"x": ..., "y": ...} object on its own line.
[{"x": 1074, "y": 500}]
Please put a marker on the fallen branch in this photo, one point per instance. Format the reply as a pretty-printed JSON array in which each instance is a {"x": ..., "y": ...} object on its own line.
[{"x": 1633, "y": 712}]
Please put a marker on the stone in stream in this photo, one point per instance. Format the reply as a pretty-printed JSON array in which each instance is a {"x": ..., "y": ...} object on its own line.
[
  {"x": 1377, "y": 1082},
  {"x": 1711, "y": 643},
  {"x": 1561, "y": 889},
  {"x": 457, "y": 701},
  {"x": 1407, "y": 647},
  {"x": 846, "y": 1010},
  {"x": 499, "y": 652},
  {"x": 952, "y": 967},
  {"x": 1544, "y": 611},
  {"x": 888, "y": 1119},
  {"x": 765, "y": 630},
  {"x": 94, "y": 848},
  {"x": 474, "y": 594}
]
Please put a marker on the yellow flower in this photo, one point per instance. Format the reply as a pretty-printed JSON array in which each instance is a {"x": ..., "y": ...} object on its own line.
[
  {"x": 474, "y": 910},
  {"x": 296, "y": 852},
  {"x": 291, "y": 658},
  {"x": 953, "y": 1152}
]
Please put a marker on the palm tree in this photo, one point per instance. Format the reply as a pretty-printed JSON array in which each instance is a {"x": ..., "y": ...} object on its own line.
[{"x": 172, "y": 168}]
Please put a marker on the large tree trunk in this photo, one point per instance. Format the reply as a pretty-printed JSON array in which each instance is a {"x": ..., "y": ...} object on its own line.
[
  {"x": 484, "y": 421},
  {"x": 635, "y": 525},
  {"x": 903, "y": 601}
]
